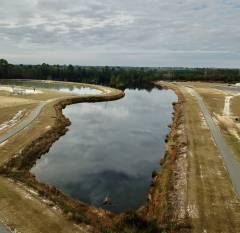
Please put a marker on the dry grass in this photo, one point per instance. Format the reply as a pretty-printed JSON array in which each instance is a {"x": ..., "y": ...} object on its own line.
[
  {"x": 8, "y": 112},
  {"x": 235, "y": 106},
  {"x": 27, "y": 213},
  {"x": 212, "y": 204},
  {"x": 10, "y": 101},
  {"x": 215, "y": 99}
]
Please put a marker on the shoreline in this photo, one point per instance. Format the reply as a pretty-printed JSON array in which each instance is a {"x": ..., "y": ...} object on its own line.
[
  {"x": 167, "y": 194},
  {"x": 18, "y": 168}
]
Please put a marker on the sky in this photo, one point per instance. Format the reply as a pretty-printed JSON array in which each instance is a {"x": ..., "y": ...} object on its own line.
[{"x": 182, "y": 33}]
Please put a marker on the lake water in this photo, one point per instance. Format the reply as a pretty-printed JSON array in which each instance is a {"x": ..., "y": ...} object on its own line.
[
  {"x": 111, "y": 149},
  {"x": 69, "y": 88}
]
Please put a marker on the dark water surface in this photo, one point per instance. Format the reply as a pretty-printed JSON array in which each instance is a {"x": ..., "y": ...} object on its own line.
[{"x": 111, "y": 149}]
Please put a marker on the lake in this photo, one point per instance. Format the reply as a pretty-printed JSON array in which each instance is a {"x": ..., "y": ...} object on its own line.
[
  {"x": 57, "y": 86},
  {"x": 111, "y": 149}
]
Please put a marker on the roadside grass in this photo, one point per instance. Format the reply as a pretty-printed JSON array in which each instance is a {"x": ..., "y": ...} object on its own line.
[
  {"x": 26, "y": 136},
  {"x": 215, "y": 103},
  {"x": 214, "y": 99},
  {"x": 212, "y": 203},
  {"x": 232, "y": 141},
  {"x": 235, "y": 106},
  {"x": 8, "y": 112}
]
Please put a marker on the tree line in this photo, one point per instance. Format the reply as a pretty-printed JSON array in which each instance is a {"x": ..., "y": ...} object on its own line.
[{"x": 119, "y": 77}]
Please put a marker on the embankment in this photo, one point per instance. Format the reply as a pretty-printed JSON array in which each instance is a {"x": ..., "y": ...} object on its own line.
[{"x": 167, "y": 195}]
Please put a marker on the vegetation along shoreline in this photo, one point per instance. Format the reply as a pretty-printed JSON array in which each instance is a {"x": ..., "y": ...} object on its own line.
[{"x": 159, "y": 208}]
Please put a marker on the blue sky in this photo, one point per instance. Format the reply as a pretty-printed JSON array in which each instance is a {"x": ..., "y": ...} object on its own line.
[{"x": 190, "y": 33}]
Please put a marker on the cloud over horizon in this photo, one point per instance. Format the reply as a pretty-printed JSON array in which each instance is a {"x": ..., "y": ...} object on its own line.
[{"x": 132, "y": 33}]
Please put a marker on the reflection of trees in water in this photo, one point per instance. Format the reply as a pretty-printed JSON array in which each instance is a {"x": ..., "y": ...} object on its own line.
[
  {"x": 58, "y": 86},
  {"x": 43, "y": 85},
  {"x": 138, "y": 86}
]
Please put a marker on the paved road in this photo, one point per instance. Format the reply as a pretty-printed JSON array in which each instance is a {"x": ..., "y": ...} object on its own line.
[
  {"x": 232, "y": 165},
  {"x": 23, "y": 124},
  {"x": 234, "y": 89},
  {"x": 3, "y": 229}
]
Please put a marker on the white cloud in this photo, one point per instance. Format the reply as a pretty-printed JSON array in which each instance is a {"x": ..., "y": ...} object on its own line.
[{"x": 163, "y": 33}]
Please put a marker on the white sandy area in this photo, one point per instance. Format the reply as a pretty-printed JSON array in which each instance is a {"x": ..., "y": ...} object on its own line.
[
  {"x": 25, "y": 91},
  {"x": 226, "y": 110},
  {"x": 12, "y": 121}
]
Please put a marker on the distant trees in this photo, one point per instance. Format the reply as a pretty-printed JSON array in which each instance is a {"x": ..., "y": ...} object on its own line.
[
  {"x": 120, "y": 77},
  {"x": 3, "y": 68}
]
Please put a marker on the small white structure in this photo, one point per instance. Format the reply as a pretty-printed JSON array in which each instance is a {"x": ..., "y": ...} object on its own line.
[
  {"x": 15, "y": 90},
  {"x": 18, "y": 91}
]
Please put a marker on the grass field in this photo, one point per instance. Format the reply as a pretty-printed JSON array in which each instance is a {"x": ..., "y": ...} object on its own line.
[
  {"x": 212, "y": 204},
  {"x": 215, "y": 100}
]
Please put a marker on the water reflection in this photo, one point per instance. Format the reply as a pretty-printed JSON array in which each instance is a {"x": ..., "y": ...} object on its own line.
[
  {"x": 110, "y": 149},
  {"x": 64, "y": 87}
]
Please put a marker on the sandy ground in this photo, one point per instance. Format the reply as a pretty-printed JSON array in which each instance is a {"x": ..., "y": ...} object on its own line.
[
  {"x": 12, "y": 121},
  {"x": 24, "y": 90},
  {"x": 13, "y": 101}
]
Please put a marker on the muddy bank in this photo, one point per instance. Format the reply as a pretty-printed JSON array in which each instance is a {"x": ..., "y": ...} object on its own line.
[
  {"x": 166, "y": 202},
  {"x": 165, "y": 209}
]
